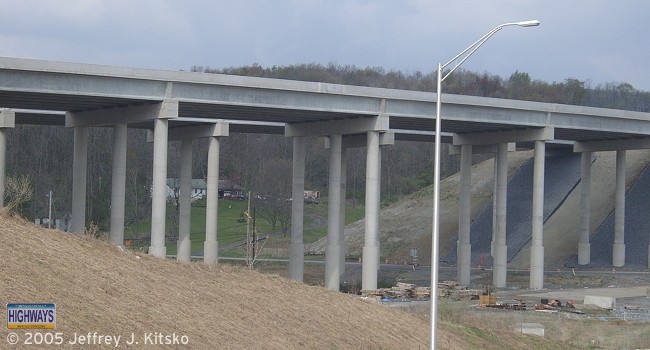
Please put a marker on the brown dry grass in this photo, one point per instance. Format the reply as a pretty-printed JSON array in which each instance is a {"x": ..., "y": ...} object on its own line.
[{"x": 99, "y": 288}]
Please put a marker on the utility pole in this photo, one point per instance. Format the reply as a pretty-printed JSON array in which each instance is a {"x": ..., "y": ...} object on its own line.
[
  {"x": 254, "y": 237},
  {"x": 248, "y": 232},
  {"x": 49, "y": 218}
]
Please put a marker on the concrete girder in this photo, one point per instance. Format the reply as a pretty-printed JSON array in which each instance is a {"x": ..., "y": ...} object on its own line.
[
  {"x": 338, "y": 127},
  {"x": 7, "y": 118},
  {"x": 480, "y": 149},
  {"x": 218, "y": 129},
  {"x": 490, "y": 138},
  {"x": 357, "y": 141},
  {"x": 167, "y": 109},
  {"x": 611, "y": 145}
]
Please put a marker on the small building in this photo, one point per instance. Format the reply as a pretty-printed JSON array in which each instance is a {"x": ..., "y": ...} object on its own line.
[
  {"x": 230, "y": 190},
  {"x": 227, "y": 189}
]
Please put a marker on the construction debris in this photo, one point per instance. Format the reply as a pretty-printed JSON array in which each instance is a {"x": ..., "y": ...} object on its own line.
[{"x": 409, "y": 291}]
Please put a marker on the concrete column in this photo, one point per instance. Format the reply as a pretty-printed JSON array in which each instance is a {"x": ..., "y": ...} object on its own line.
[
  {"x": 371, "y": 244},
  {"x": 342, "y": 250},
  {"x": 79, "y": 172},
  {"x": 3, "y": 165},
  {"x": 377, "y": 204},
  {"x": 297, "y": 246},
  {"x": 118, "y": 184},
  {"x": 159, "y": 190},
  {"x": 332, "y": 253},
  {"x": 184, "y": 243},
  {"x": 537, "y": 246},
  {"x": 500, "y": 248},
  {"x": 211, "y": 246},
  {"x": 464, "y": 247},
  {"x": 494, "y": 208},
  {"x": 618, "y": 255},
  {"x": 7, "y": 120},
  {"x": 584, "y": 247}
]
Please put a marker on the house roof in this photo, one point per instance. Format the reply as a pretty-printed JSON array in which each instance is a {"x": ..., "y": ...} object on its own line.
[{"x": 202, "y": 184}]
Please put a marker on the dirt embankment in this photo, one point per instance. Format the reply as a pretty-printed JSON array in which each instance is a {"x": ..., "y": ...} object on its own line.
[
  {"x": 562, "y": 230},
  {"x": 407, "y": 223},
  {"x": 100, "y": 288}
]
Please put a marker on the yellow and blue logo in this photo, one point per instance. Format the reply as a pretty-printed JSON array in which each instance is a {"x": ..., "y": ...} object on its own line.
[{"x": 31, "y": 316}]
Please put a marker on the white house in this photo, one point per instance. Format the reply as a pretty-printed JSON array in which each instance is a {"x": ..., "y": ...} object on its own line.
[{"x": 227, "y": 189}]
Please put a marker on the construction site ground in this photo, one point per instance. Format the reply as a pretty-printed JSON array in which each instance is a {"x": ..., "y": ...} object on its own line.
[{"x": 627, "y": 325}]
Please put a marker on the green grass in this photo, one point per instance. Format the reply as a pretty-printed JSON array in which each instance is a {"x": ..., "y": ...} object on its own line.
[{"x": 229, "y": 228}]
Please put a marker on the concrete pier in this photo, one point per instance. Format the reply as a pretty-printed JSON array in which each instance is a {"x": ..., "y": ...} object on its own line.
[
  {"x": 371, "y": 241},
  {"x": 332, "y": 252},
  {"x": 618, "y": 250},
  {"x": 584, "y": 247},
  {"x": 7, "y": 120},
  {"x": 118, "y": 184},
  {"x": 344, "y": 169},
  {"x": 464, "y": 248},
  {"x": 184, "y": 243},
  {"x": 500, "y": 248},
  {"x": 537, "y": 245},
  {"x": 211, "y": 246},
  {"x": 159, "y": 184},
  {"x": 297, "y": 247},
  {"x": 79, "y": 173}
]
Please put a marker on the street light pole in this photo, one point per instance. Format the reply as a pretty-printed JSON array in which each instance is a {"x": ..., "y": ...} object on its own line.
[{"x": 436, "y": 171}]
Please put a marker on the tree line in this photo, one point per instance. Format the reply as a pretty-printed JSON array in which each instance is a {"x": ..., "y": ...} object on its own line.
[{"x": 262, "y": 163}]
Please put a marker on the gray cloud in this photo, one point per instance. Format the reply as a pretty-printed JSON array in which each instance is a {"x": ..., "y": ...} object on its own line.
[{"x": 599, "y": 41}]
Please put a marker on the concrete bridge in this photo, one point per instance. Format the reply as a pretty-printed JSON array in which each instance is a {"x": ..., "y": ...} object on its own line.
[{"x": 184, "y": 106}]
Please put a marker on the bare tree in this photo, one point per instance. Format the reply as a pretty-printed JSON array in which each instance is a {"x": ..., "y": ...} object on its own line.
[
  {"x": 18, "y": 191},
  {"x": 273, "y": 193}
]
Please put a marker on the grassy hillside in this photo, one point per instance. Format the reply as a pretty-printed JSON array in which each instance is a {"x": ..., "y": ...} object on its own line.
[{"x": 99, "y": 288}]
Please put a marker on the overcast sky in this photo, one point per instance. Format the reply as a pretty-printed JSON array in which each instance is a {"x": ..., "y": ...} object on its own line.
[{"x": 598, "y": 41}]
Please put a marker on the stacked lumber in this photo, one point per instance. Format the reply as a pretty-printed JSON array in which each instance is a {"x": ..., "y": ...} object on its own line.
[
  {"x": 451, "y": 289},
  {"x": 409, "y": 291}
]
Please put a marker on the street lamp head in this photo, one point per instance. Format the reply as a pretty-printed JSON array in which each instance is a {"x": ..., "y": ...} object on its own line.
[{"x": 532, "y": 23}]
